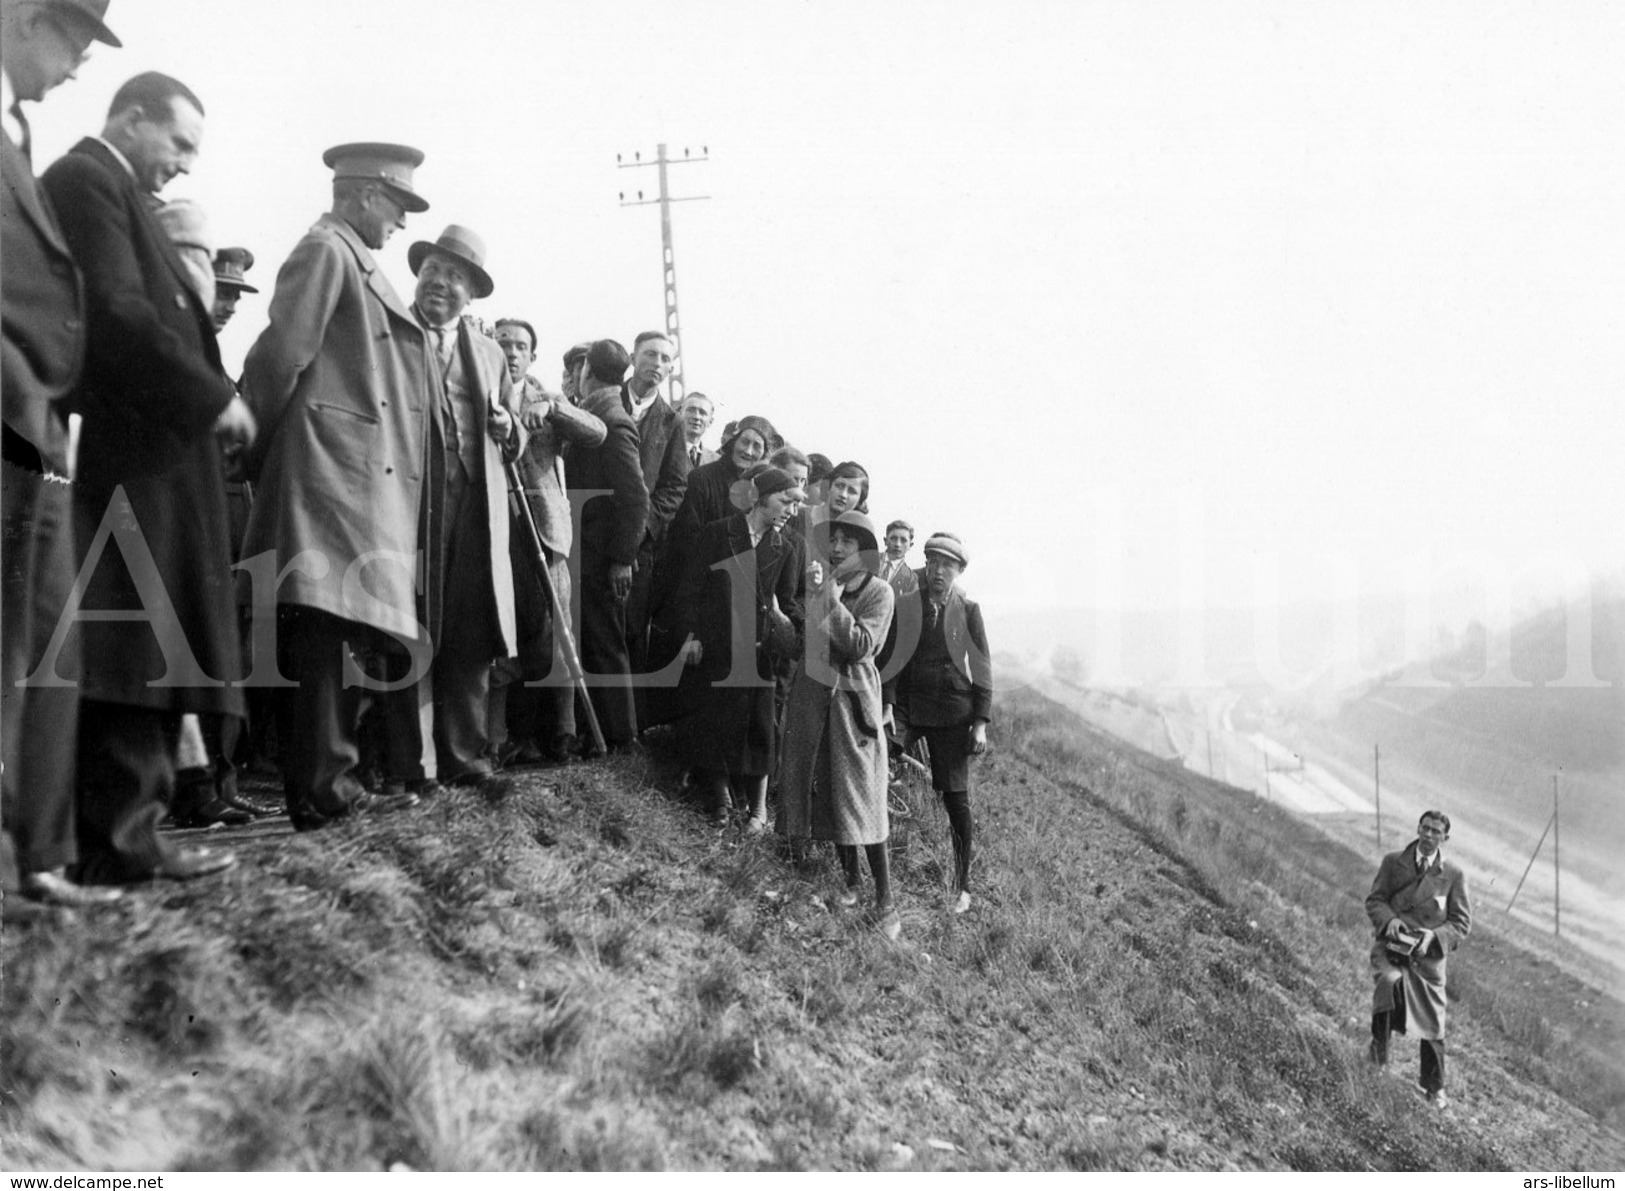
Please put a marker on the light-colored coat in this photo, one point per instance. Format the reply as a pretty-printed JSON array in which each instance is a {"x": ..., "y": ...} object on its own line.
[
  {"x": 339, "y": 384},
  {"x": 832, "y": 733},
  {"x": 542, "y": 464}
]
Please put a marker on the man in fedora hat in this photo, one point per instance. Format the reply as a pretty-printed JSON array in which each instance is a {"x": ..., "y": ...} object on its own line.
[
  {"x": 230, "y": 283},
  {"x": 474, "y": 431},
  {"x": 340, "y": 382},
  {"x": 42, "y": 43},
  {"x": 157, "y": 410}
]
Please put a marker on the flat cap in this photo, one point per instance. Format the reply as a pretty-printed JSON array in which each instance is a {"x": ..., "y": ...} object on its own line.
[{"x": 948, "y": 544}]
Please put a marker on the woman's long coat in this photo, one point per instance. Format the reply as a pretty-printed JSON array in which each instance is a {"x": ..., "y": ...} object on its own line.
[
  {"x": 832, "y": 771},
  {"x": 730, "y": 725}
]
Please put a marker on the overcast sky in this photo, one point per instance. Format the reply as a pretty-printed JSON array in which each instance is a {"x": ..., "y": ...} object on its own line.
[{"x": 1268, "y": 280}]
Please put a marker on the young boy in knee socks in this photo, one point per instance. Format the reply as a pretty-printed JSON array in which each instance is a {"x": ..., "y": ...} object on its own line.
[{"x": 942, "y": 687}]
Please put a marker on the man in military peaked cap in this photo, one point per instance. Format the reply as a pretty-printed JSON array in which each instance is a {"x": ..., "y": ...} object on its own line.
[
  {"x": 230, "y": 282},
  {"x": 339, "y": 381}
]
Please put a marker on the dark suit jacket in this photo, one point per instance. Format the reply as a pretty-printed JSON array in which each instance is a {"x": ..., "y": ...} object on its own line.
[
  {"x": 663, "y": 456},
  {"x": 613, "y": 524},
  {"x": 960, "y": 689},
  {"x": 44, "y": 317},
  {"x": 151, "y": 391}
]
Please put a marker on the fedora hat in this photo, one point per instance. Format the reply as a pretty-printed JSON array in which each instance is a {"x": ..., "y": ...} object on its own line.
[
  {"x": 390, "y": 164},
  {"x": 88, "y": 13},
  {"x": 464, "y": 246}
]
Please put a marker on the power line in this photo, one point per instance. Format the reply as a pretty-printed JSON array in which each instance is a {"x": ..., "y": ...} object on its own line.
[{"x": 668, "y": 259}]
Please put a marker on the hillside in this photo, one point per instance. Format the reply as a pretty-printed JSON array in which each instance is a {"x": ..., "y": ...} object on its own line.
[{"x": 1159, "y": 973}]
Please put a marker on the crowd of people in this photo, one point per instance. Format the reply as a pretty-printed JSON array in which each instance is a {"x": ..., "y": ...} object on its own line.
[{"x": 387, "y": 556}]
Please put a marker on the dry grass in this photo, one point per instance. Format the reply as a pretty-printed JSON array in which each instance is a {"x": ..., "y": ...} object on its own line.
[{"x": 589, "y": 977}]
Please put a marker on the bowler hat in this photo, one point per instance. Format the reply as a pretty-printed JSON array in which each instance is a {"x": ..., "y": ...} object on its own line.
[
  {"x": 390, "y": 164},
  {"x": 90, "y": 14},
  {"x": 463, "y": 246},
  {"x": 229, "y": 266}
]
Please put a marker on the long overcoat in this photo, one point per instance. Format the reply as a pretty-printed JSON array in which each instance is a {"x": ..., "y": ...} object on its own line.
[
  {"x": 489, "y": 386},
  {"x": 730, "y": 727},
  {"x": 1435, "y": 900},
  {"x": 339, "y": 383},
  {"x": 832, "y": 767},
  {"x": 151, "y": 391}
]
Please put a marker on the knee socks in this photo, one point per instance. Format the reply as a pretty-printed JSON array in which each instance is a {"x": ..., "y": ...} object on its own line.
[{"x": 957, "y": 803}]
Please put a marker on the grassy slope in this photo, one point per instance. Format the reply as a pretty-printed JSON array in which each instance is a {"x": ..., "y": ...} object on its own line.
[{"x": 1159, "y": 974}]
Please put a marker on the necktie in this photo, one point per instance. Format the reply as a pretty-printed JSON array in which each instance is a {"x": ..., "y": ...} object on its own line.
[
  {"x": 442, "y": 342},
  {"x": 694, "y": 456}
]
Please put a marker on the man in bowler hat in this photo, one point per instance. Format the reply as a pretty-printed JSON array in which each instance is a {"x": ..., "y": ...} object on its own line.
[{"x": 474, "y": 431}]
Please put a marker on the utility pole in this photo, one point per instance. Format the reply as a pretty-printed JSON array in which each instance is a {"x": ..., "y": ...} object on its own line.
[
  {"x": 1557, "y": 866},
  {"x": 668, "y": 260},
  {"x": 1376, "y": 782}
]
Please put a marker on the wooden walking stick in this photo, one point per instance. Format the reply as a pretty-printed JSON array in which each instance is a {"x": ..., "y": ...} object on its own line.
[{"x": 561, "y": 614}]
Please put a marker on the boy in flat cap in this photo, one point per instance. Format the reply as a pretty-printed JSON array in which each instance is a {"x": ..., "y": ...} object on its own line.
[
  {"x": 340, "y": 383},
  {"x": 944, "y": 690}
]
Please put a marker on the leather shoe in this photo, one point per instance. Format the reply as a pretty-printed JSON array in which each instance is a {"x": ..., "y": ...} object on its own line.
[
  {"x": 260, "y": 808},
  {"x": 381, "y": 804},
  {"x": 201, "y": 807},
  {"x": 188, "y": 864},
  {"x": 52, "y": 886}
]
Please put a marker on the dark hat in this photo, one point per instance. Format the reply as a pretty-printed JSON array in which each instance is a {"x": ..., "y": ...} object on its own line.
[
  {"x": 90, "y": 14},
  {"x": 762, "y": 480},
  {"x": 463, "y": 246},
  {"x": 770, "y": 437},
  {"x": 949, "y": 545},
  {"x": 229, "y": 266},
  {"x": 390, "y": 164}
]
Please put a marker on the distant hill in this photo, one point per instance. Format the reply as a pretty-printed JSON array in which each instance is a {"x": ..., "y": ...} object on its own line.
[{"x": 1505, "y": 690}]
